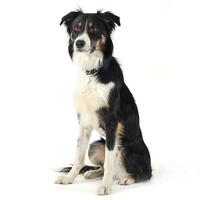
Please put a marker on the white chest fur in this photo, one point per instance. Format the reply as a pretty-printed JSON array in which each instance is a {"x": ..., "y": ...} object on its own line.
[
  {"x": 86, "y": 60},
  {"x": 89, "y": 96}
]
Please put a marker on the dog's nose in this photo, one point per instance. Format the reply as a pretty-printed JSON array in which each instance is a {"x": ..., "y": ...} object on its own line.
[{"x": 80, "y": 44}]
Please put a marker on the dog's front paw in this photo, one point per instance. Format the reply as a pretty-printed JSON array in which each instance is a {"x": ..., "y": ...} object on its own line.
[
  {"x": 104, "y": 190},
  {"x": 64, "y": 180}
]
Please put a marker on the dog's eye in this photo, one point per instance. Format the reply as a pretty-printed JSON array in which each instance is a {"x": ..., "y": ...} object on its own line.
[
  {"x": 77, "y": 29},
  {"x": 93, "y": 29}
]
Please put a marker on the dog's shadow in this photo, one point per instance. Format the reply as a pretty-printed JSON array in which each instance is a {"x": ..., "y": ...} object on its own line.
[{"x": 158, "y": 173}]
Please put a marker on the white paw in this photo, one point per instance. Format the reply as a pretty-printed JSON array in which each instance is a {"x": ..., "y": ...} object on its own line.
[
  {"x": 126, "y": 181},
  {"x": 103, "y": 190},
  {"x": 88, "y": 174},
  {"x": 64, "y": 180}
]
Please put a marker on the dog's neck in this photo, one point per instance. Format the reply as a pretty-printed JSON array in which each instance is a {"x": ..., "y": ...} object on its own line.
[
  {"x": 89, "y": 63},
  {"x": 92, "y": 72}
]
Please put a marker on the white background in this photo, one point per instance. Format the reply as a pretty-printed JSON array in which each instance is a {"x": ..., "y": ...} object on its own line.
[{"x": 158, "y": 46}]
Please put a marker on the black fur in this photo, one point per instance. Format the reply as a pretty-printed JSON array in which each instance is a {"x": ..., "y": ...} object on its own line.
[
  {"x": 122, "y": 107},
  {"x": 108, "y": 123},
  {"x": 82, "y": 171}
]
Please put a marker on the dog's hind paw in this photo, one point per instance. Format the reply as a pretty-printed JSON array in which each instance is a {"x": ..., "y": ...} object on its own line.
[
  {"x": 126, "y": 181},
  {"x": 93, "y": 173}
]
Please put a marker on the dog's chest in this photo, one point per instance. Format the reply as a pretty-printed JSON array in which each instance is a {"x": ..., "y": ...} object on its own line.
[{"x": 90, "y": 96}]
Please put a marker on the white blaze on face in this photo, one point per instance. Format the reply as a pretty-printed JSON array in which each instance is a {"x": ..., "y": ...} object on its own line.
[{"x": 85, "y": 37}]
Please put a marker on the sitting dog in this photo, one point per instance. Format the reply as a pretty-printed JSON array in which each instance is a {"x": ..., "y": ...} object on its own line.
[{"x": 103, "y": 103}]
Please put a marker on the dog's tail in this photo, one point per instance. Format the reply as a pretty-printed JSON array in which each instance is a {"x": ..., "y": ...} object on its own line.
[{"x": 82, "y": 171}]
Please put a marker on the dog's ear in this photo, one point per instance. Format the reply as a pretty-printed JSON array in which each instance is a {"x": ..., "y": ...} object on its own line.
[
  {"x": 68, "y": 19},
  {"x": 110, "y": 19}
]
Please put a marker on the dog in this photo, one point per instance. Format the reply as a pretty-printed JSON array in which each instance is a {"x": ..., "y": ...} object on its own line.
[{"x": 103, "y": 103}]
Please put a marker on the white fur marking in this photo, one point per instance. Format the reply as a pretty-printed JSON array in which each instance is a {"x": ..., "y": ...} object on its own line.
[
  {"x": 109, "y": 171},
  {"x": 89, "y": 96},
  {"x": 87, "y": 60},
  {"x": 84, "y": 36}
]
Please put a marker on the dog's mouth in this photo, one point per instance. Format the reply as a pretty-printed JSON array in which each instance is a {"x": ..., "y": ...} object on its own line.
[{"x": 86, "y": 50}]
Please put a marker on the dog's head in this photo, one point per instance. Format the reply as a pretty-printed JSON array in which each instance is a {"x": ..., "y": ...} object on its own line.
[{"x": 90, "y": 32}]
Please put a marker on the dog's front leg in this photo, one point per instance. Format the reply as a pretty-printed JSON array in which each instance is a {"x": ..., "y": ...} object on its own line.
[
  {"x": 109, "y": 163},
  {"x": 82, "y": 144}
]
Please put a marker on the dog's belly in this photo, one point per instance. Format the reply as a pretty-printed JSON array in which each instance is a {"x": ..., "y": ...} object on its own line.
[{"x": 90, "y": 96}]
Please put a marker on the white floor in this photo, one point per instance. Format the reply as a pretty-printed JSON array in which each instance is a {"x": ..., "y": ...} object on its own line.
[{"x": 170, "y": 181}]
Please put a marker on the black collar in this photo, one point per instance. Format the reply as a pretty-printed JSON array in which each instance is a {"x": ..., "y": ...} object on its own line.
[
  {"x": 91, "y": 72},
  {"x": 94, "y": 71}
]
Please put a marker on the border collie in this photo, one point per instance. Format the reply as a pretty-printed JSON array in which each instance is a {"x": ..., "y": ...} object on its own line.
[{"x": 103, "y": 103}]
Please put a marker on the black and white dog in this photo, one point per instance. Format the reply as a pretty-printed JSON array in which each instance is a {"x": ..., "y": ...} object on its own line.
[{"x": 103, "y": 103}]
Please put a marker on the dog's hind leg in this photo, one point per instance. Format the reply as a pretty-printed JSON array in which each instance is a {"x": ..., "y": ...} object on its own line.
[{"x": 96, "y": 155}]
